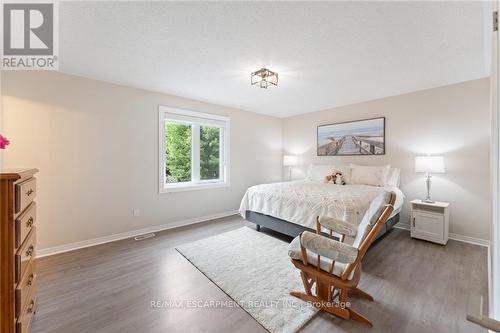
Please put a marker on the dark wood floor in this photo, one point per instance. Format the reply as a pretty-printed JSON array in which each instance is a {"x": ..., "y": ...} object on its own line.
[{"x": 418, "y": 287}]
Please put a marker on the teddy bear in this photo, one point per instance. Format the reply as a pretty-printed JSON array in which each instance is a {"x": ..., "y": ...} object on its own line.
[
  {"x": 339, "y": 178},
  {"x": 335, "y": 178},
  {"x": 330, "y": 179}
]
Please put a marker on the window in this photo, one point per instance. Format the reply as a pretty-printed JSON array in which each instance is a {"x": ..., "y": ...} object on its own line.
[{"x": 194, "y": 150}]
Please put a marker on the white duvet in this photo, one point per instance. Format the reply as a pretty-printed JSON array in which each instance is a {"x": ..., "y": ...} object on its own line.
[{"x": 301, "y": 201}]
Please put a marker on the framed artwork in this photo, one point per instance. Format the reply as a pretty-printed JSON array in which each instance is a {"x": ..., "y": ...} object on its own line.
[{"x": 360, "y": 137}]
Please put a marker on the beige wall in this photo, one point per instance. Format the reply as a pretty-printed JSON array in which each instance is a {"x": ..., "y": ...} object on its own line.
[
  {"x": 96, "y": 146},
  {"x": 453, "y": 121}
]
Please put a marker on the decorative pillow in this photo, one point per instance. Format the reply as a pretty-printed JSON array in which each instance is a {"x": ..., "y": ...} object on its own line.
[{"x": 369, "y": 175}]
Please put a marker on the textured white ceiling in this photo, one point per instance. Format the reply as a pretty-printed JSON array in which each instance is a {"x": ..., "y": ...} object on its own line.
[{"x": 326, "y": 53}]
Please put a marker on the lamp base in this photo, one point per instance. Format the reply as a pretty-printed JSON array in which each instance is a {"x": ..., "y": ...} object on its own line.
[{"x": 428, "y": 183}]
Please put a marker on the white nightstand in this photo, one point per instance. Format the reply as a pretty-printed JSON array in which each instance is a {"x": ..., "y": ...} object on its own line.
[{"x": 430, "y": 221}]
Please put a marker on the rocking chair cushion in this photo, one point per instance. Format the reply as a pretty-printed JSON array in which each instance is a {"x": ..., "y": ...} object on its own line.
[
  {"x": 328, "y": 247},
  {"x": 294, "y": 251},
  {"x": 338, "y": 226}
]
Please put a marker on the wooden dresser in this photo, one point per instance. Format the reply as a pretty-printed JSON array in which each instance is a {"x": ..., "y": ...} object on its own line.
[{"x": 18, "y": 274}]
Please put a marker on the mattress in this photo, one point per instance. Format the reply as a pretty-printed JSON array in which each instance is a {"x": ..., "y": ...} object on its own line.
[{"x": 300, "y": 202}]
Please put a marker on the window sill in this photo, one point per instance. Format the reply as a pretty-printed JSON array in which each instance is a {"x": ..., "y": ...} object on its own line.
[{"x": 192, "y": 187}]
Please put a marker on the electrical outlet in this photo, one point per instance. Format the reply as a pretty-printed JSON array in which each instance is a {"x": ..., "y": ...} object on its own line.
[{"x": 137, "y": 212}]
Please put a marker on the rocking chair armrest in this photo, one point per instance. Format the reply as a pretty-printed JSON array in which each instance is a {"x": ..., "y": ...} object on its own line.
[
  {"x": 327, "y": 247},
  {"x": 339, "y": 226}
]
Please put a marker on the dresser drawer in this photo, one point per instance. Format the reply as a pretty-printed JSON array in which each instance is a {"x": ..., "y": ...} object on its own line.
[
  {"x": 26, "y": 287},
  {"x": 24, "y": 223},
  {"x": 25, "y": 193},
  {"x": 23, "y": 323},
  {"x": 25, "y": 255}
]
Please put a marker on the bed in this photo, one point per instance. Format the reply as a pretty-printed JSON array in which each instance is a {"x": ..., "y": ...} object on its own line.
[{"x": 291, "y": 207}]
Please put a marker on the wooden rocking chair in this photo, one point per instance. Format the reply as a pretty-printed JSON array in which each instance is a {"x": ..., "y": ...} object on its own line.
[{"x": 334, "y": 267}]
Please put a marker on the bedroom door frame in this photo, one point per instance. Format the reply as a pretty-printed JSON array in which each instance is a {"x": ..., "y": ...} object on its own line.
[
  {"x": 475, "y": 314},
  {"x": 494, "y": 249}
]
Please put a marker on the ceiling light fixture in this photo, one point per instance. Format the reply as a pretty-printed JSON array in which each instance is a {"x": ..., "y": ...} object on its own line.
[{"x": 264, "y": 77}]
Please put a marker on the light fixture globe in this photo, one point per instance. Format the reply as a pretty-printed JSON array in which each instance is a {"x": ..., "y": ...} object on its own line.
[{"x": 264, "y": 77}]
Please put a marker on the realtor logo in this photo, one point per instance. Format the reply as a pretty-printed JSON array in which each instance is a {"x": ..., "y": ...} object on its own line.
[{"x": 29, "y": 39}]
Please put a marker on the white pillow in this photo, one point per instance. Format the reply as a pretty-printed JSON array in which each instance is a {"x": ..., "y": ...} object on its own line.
[
  {"x": 319, "y": 172},
  {"x": 369, "y": 175},
  {"x": 394, "y": 177}
]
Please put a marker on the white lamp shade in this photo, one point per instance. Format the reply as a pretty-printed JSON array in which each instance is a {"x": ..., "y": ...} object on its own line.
[
  {"x": 289, "y": 160},
  {"x": 430, "y": 164}
]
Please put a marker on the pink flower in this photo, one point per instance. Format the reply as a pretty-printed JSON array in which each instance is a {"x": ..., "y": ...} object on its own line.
[{"x": 3, "y": 142}]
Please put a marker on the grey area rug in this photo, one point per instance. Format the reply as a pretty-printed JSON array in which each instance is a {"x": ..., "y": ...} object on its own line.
[{"x": 255, "y": 271}]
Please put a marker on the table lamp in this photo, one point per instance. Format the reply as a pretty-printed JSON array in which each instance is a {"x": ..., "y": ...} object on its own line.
[
  {"x": 289, "y": 161},
  {"x": 429, "y": 165}
]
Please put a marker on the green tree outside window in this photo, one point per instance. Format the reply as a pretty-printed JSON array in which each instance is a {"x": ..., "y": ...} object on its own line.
[
  {"x": 209, "y": 152},
  {"x": 178, "y": 154}
]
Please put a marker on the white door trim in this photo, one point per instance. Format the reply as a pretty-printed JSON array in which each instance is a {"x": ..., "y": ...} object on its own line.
[{"x": 494, "y": 264}]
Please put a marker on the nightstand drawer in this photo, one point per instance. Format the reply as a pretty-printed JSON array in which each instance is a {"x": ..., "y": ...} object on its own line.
[
  {"x": 429, "y": 221},
  {"x": 428, "y": 224}
]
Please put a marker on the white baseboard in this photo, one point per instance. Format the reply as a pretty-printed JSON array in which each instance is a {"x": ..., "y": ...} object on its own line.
[
  {"x": 457, "y": 237},
  {"x": 128, "y": 234}
]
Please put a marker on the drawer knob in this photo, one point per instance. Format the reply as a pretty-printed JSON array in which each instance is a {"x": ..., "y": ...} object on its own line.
[
  {"x": 30, "y": 191},
  {"x": 30, "y": 308},
  {"x": 30, "y": 280},
  {"x": 29, "y": 252},
  {"x": 30, "y": 221}
]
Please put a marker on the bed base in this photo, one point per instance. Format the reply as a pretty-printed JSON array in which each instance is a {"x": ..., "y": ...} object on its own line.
[{"x": 292, "y": 229}]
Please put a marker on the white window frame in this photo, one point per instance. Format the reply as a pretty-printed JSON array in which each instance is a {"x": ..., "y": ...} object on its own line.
[{"x": 196, "y": 119}]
